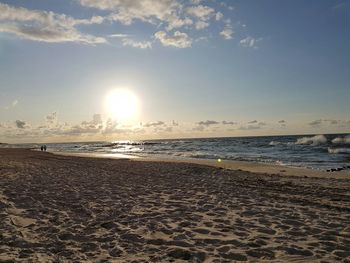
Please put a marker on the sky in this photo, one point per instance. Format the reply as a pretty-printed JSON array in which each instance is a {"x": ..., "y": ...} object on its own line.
[{"x": 197, "y": 68}]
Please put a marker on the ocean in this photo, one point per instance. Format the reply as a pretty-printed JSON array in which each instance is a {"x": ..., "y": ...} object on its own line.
[{"x": 319, "y": 152}]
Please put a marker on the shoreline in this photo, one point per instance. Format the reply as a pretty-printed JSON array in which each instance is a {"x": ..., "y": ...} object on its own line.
[{"x": 253, "y": 167}]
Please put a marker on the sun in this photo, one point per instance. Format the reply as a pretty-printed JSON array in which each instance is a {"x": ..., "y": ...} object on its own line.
[{"x": 122, "y": 104}]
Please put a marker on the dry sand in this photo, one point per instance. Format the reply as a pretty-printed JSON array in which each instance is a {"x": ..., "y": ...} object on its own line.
[{"x": 65, "y": 209}]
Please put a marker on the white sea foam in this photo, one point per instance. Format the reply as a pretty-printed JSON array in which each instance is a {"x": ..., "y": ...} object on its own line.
[
  {"x": 273, "y": 143},
  {"x": 338, "y": 150},
  {"x": 341, "y": 140},
  {"x": 314, "y": 140}
]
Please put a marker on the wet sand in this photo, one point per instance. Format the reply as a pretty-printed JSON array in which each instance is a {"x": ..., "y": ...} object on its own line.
[
  {"x": 63, "y": 209},
  {"x": 253, "y": 167}
]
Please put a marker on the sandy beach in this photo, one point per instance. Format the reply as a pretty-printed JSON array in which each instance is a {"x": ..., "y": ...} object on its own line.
[{"x": 57, "y": 208}]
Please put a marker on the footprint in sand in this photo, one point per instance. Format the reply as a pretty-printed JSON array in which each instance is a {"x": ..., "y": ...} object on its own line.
[{"x": 22, "y": 221}]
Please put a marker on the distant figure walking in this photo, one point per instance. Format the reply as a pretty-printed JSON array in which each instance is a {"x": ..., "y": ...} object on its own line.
[
  {"x": 45, "y": 148},
  {"x": 42, "y": 148}
]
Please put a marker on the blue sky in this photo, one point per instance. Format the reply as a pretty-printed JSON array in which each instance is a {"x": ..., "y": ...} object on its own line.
[{"x": 198, "y": 68}]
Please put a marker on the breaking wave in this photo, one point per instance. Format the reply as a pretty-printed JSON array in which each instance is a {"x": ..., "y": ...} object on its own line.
[
  {"x": 273, "y": 143},
  {"x": 314, "y": 140},
  {"x": 129, "y": 143},
  {"x": 338, "y": 150},
  {"x": 341, "y": 140}
]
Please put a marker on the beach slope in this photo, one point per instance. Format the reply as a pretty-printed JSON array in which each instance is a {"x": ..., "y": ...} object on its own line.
[{"x": 62, "y": 208}]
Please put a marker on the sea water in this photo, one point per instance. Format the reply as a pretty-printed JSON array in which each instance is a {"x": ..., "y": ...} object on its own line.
[{"x": 320, "y": 152}]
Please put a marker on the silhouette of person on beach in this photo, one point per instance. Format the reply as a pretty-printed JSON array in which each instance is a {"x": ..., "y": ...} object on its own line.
[
  {"x": 45, "y": 148},
  {"x": 42, "y": 148}
]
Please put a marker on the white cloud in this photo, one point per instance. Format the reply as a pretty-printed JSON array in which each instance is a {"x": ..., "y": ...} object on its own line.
[
  {"x": 315, "y": 123},
  {"x": 196, "y": 2},
  {"x": 282, "y": 123},
  {"x": 227, "y": 33},
  {"x": 179, "y": 39},
  {"x": 202, "y": 38},
  {"x": 201, "y": 25},
  {"x": 174, "y": 14},
  {"x": 52, "y": 119},
  {"x": 20, "y": 130},
  {"x": 137, "y": 44},
  {"x": 50, "y": 35},
  {"x": 200, "y": 11},
  {"x": 249, "y": 42},
  {"x": 126, "y": 11},
  {"x": 127, "y": 41},
  {"x": 45, "y": 26},
  {"x": 165, "y": 15},
  {"x": 81, "y": 129},
  {"x": 54, "y": 128},
  {"x": 14, "y": 103},
  {"x": 95, "y": 126},
  {"x": 218, "y": 16},
  {"x": 250, "y": 127},
  {"x": 229, "y": 7},
  {"x": 119, "y": 35},
  {"x": 175, "y": 22},
  {"x": 253, "y": 125},
  {"x": 199, "y": 128}
]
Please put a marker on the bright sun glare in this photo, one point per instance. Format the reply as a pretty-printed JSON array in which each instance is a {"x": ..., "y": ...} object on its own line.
[{"x": 122, "y": 104}]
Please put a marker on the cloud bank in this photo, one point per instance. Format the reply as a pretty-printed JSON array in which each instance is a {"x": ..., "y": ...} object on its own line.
[
  {"x": 98, "y": 128},
  {"x": 45, "y": 26}
]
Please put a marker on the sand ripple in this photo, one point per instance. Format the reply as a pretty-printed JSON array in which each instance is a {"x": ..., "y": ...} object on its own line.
[{"x": 64, "y": 209}]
